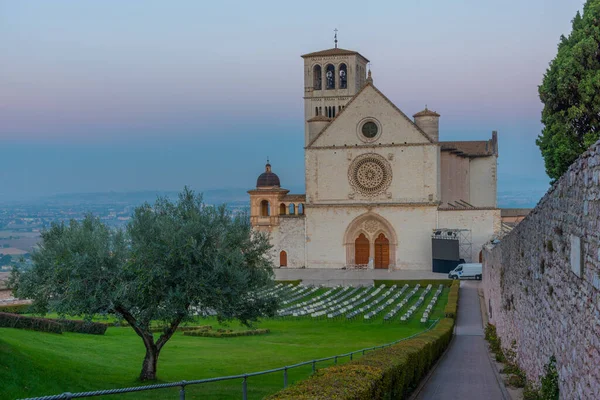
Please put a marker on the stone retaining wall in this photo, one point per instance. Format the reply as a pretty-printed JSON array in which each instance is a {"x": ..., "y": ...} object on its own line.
[{"x": 542, "y": 282}]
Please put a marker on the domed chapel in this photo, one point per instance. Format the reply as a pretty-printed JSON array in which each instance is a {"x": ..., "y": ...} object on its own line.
[{"x": 383, "y": 191}]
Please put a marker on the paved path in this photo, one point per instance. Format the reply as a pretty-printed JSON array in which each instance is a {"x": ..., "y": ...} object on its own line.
[
  {"x": 349, "y": 277},
  {"x": 465, "y": 371}
]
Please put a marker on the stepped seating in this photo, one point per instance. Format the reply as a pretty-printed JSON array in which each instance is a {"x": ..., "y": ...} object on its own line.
[
  {"x": 387, "y": 303},
  {"x": 431, "y": 304},
  {"x": 417, "y": 304},
  {"x": 402, "y": 303}
]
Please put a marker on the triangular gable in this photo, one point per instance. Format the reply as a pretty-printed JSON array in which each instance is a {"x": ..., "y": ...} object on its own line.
[{"x": 370, "y": 102}]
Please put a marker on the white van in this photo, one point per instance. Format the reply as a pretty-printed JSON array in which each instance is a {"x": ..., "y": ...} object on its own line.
[{"x": 466, "y": 271}]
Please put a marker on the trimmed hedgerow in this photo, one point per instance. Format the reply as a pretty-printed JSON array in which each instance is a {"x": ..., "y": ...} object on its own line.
[
  {"x": 183, "y": 328},
  {"x": 22, "y": 322},
  {"x": 452, "y": 304},
  {"x": 392, "y": 372},
  {"x": 15, "y": 308},
  {"x": 294, "y": 282},
  {"x": 224, "y": 333},
  {"x": 90, "y": 328},
  {"x": 409, "y": 282}
]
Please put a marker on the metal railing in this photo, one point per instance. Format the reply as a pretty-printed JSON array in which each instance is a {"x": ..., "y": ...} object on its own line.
[{"x": 244, "y": 377}]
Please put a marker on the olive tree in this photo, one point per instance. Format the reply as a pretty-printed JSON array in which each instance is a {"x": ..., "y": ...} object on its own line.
[{"x": 173, "y": 261}]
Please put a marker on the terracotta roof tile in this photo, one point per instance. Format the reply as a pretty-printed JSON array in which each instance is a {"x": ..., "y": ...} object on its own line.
[
  {"x": 319, "y": 118},
  {"x": 472, "y": 148},
  {"x": 333, "y": 52},
  {"x": 426, "y": 113}
]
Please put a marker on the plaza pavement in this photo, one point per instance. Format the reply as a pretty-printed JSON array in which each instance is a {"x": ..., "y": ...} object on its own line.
[{"x": 349, "y": 277}]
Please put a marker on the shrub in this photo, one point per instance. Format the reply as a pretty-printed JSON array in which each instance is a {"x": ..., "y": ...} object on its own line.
[
  {"x": 386, "y": 373},
  {"x": 160, "y": 329},
  {"x": 225, "y": 333},
  {"x": 22, "y": 322},
  {"x": 15, "y": 308},
  {"x": 295, "y": 282},
  {"x": 452, "y": 305},
  {"x": 91, "y": 328}
]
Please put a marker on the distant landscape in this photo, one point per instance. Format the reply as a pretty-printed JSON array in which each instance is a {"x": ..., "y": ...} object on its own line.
[{"x": 21, "y": 222}]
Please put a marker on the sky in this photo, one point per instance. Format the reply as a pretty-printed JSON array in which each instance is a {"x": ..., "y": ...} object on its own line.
[{"x": 154, "y": 95}]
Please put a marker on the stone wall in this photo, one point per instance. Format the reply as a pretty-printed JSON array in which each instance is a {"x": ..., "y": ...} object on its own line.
[{"x": 541, "y": 282}]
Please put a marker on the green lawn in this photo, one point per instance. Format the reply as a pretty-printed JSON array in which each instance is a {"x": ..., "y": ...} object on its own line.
[{"x": 35, "y": 364}]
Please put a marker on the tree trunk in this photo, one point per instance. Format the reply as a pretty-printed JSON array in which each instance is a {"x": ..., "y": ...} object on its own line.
[{"x": 149, "y": 365}]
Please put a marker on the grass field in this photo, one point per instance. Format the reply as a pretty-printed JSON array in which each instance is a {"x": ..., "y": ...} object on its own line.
[{"x": 35, "y": 364}]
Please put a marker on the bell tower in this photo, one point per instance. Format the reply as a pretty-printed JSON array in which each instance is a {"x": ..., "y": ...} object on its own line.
[{"x": 331, "y": 78}]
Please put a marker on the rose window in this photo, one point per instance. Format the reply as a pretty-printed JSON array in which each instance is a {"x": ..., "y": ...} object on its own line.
[{"x": 370, "y": 174}]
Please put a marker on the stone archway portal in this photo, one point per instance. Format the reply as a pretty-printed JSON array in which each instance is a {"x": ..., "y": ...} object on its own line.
[
  {"x": 382, "y": 252},
  {"x": 361, "y": 250}
]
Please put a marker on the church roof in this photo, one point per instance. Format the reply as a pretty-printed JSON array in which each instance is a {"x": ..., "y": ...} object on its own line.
[
  {"x": 336, "y": 51},
  {"x": 471, "y": 148},
  {"x": 426, "y": 113},
  {"x": 319, "y": 118},
  {"x": 369, "y": 84}
]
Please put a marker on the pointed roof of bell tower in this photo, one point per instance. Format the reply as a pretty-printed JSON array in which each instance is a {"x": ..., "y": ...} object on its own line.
[{"x": 335, "y": 51}]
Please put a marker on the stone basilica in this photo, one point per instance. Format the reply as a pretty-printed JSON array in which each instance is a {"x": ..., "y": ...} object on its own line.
[{"x": 379, "y": 185}]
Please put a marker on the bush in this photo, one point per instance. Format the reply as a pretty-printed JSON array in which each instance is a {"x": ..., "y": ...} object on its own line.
[
  {"x": 15, "y": 308},
  {"x": 90, "y": 328},
  {"x": 22, "y": 322},
  {"x": 295, "y": 283},
  {"x": 422, "y": 282},
  {"x": 160, "y": 329},
  {"x": 225, "y": 333},
  {"x": 452, "y": 305},
  {"x": 392, "y": 372}
]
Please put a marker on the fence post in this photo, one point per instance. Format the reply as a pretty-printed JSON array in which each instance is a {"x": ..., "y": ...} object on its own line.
[
  {"x": 284, "y": 377},
  {"x": 351, "y": 356},
  {"x": 314, "y": 366},
  {"x": 335, "y": 360},
  {"x": 182, "y": 391},
  {"x": 245, "y": 388}
]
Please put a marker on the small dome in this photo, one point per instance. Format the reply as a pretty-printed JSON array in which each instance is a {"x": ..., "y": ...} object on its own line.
[{"x": 267, "y": 178}]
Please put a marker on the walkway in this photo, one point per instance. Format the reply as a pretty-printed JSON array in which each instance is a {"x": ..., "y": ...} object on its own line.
[
  {"x": 349, "y": 277},
  {"x": 465, "y": 372}
]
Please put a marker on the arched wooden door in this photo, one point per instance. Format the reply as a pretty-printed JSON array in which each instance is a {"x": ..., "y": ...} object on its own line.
[
  {"x": 361, "y": 250},
  {"x": 283, "y": 259},
  {"x": 382, "y": 251}
]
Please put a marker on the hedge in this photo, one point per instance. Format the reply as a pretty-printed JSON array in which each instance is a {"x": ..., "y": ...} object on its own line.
[
  {"x": 36, "y": 324},
  {"x": 409, "y": 282},
  {"x": 183, "y": 328},
  {"x": 388, "y": 373},
  {"x": 452, "y": 305},
  {"x": 91, "y": 328},
  {"x": 223, "y": 334},
  {"x": 15, "y": 308},
  {"x": 295, "y": 282}
]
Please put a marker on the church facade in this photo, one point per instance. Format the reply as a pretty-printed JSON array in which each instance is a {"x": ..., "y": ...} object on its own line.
[{"x": 379, "y": 185}]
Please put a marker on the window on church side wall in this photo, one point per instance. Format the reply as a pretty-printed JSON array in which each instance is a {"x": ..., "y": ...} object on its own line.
[
  {"x": 317, "y": 77},
  {"x": 343, "y": 76},
  {"x": 292, "y": 209},
  {"x": 330, "y": 76},
  {"x": 265, "y": 208},
  {"x": 316, "y": 111}
]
